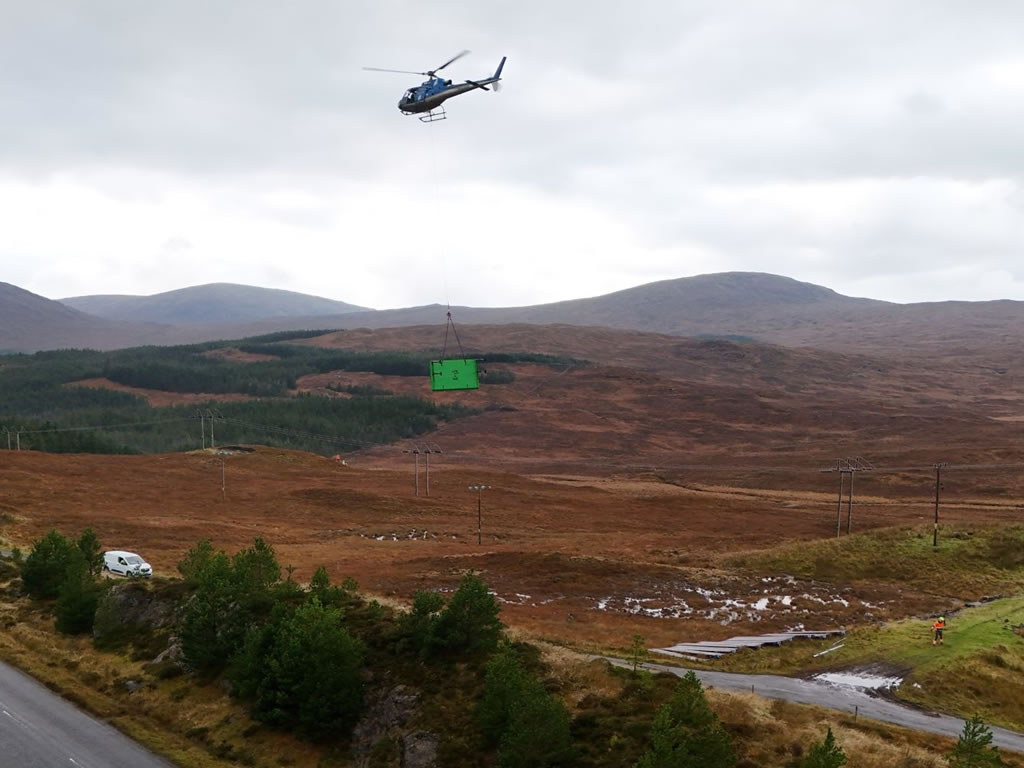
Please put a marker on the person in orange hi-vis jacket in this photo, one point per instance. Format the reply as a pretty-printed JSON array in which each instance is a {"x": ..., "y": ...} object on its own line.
[{"x": 937, "y": 629}]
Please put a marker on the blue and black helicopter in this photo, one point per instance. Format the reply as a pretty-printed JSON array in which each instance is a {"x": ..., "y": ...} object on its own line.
[{"x": 426, "y": 100}]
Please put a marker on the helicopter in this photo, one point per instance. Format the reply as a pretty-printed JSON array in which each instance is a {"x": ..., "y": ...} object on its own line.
[{"x": 426, "y": 100}]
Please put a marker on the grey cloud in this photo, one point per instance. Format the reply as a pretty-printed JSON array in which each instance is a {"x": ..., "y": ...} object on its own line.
[{"x": 644, "y": 110}]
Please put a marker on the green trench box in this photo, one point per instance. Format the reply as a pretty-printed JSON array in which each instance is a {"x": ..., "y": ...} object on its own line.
[{"x": 453, "y": 374}]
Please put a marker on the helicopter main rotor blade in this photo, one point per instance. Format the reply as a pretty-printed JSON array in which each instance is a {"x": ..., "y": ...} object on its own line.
[
  {"x": 399, "y": 71},
  {"x": 454, "y": 58}
]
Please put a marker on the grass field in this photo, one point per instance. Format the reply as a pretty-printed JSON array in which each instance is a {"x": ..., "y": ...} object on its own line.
[
  {"x": 969, "y": 561},
  {"x": 978, "y": 670}
]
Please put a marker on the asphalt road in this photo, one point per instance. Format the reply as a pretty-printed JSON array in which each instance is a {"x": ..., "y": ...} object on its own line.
[
  {"x": 39, "y": 729},
  {"x": 843, "y": 698}
]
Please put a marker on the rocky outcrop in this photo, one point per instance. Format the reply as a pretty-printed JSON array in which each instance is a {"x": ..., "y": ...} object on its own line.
[
  {"x": 419, "y": 750},
  {"x": 133, "y": 604},
  {"x": 388, "y": 711}
]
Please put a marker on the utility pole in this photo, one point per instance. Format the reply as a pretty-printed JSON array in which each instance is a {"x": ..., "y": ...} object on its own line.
[
  {"x": 223, "y": 480},
  {"x": 479, "y": 515},
  {"x": 415, "y": 451},
  {"x": 935, "y": 529},
  {"x": 429, "y": 449},
  {"x": 17, "y": 439},
  {"x": 839, "y": 503},
  {"x": 849, "y": 504},
  {"x": 8, "y": 438},
  {"x": 849, "y": 466},
  {"x": 202, "y": 427},
  {"x": 426, "y": 450}
]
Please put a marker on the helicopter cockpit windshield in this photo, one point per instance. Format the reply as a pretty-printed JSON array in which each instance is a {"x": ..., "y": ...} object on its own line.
[{"x": 410, "y": 95}]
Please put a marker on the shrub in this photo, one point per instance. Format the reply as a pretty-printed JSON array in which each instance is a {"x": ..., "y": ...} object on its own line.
[
  {"x": 538, "y": 735},
  {"x": 320, "y": 588},
  {"x": 195, "y": 561},
  {"x": 302, "y": 670},
  {"x": 825, "y": 754},
  {"x": 89, "y": 546},
  {"x": 505, "y": 683},
  {"x": 255, "y": 569},
  {"x": 46, "y": 566},
  {"x": 469, "y": 624},
  {"x": 231, "y": 595},
  {"x": 974, "y": 747},
  {"x": 530, "y": 725},
  {"x": 637, "y": 652},
  {"x": 419, "y": 626},
  {"x": 78, "y": 597}
]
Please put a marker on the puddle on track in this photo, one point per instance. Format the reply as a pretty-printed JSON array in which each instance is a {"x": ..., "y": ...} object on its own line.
[{"x": 861, "y": 681}]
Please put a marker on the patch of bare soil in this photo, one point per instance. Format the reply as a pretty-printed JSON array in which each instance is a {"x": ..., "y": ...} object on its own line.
[
  {"x": 159, "y": 398},
  {"x": 235, "y": 355}
]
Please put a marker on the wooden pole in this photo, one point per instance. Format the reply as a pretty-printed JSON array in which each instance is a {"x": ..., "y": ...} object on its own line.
[
  {"x": 849, "y": 504},
  {"x": 839, "y": 506}
]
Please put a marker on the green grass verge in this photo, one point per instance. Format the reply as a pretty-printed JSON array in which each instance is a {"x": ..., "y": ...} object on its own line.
[
  {"x": 968, "y": 562},
  {"x": 979, "y": 668}
]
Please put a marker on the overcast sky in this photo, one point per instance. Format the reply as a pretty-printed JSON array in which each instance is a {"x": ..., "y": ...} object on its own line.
[{"x": 876, "y": 148}]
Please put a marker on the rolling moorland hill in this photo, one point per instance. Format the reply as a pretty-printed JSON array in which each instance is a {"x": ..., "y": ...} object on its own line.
[
  {"x": 762, "y": 307},
  {"x": 755, "y": 306},
  {"x": 28, "y": 321},
  {"x": 211, "y": 304}
]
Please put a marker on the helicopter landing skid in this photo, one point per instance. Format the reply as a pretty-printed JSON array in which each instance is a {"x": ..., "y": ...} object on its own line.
[{"x": 434, "y": 115}]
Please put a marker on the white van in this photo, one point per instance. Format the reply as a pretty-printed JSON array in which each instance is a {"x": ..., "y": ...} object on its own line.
[{"x": 126, "y": 563}]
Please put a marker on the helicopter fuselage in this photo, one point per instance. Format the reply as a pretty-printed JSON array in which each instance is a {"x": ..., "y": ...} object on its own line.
[{"x": 433, "y": 93}]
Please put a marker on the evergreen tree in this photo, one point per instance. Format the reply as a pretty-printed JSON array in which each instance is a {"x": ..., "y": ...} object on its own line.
[
  {"x": 974, "y": 747},
  {"x": 687, "y": 734},
  {"x": 530, "y": 725},
  {"x": 637, "y": 652},
  {"x": 213, "y": 623},
  {"x": 303, "y": 670},
  {"x": 231, "y": 596},
  {"x": 469, "y": 624},
  {"x": 89, "y": 545},
  {"x": 78, "y": 598},
  {"x": 825, "y": 754},
  {"x": 256, "y": 569},
  {"x": 419, "y": 625},
  {"x": 505, "y": 683},
  {"x": 195, "y": 561},
  {"x": 320, "y": 587},
  {"x": 46, "y": 566},
  {"x": 538, "y": 735}
]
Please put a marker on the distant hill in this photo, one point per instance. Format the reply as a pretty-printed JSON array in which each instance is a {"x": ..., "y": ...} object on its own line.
[
  {"x": 738, "y": 303},
  {"x": 29, "y": 322},
  {"x": 728, "y": 304},
  {"x": 211, "y": 304},
  {"x": 731, "y": 305}
]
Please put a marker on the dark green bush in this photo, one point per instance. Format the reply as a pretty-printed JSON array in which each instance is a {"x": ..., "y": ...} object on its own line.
[
  {"x": 302, "y": 670},
  {"x": 78, "y": 597},
  {"x": 46, "y": 566}
]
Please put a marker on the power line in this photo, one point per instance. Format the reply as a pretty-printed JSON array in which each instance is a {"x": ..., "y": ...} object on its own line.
[
  {"x": 296, "y": 433},
  {"x": 102, "y": 426}
]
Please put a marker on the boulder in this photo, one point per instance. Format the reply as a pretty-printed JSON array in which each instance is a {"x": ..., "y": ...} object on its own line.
[{"x": 419, "y": 750}]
